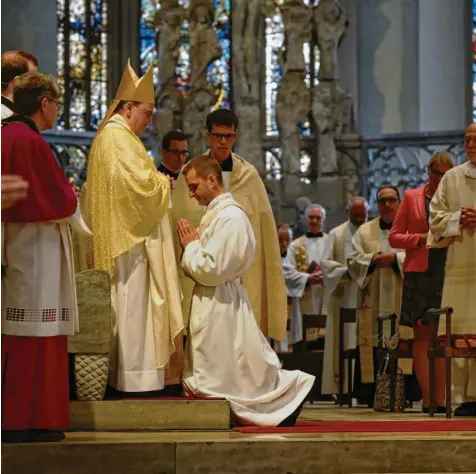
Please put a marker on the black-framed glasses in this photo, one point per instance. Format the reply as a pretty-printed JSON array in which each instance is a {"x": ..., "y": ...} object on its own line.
[
  {"x": 222, "y": 136},
  {"x": 180, "y": 152},
  {"x": 59, "y": 105}
]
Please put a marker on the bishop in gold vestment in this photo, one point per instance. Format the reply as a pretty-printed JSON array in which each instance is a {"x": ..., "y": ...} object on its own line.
[
  {"x": 453, "y": 215},
  {"x": 126, "y": 202}
]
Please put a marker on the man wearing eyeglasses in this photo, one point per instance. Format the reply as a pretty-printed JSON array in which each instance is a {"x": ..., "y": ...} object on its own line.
[
  {"x": 264, "y": 281},
  {"x": 377, "y": 268},
  {"x": 174, "y": 154}
]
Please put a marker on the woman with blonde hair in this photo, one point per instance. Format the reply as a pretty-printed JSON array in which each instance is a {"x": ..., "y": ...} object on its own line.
[{"x": 423, "y": 273}]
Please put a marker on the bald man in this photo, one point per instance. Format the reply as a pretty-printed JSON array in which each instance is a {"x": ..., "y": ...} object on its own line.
[
  {"x": 342, "y": 290},
  {"x": 14, "y": 64},
  {"x": 453, "y": 215}
]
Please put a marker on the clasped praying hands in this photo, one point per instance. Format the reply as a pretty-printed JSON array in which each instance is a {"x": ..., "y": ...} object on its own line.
[
  {"x": 186, "y": 233},
  {"x": 468, "y": 217}
]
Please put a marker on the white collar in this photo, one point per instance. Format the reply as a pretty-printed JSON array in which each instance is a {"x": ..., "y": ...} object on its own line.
[
  {"x": 218, "y": 200},
  {"x": 469, "y": 170}
]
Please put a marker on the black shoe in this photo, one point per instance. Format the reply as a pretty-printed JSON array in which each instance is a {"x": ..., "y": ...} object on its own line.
[
  {"x": 436, "y": 410},
  {"x": 466, "y": 409},
  {"x": 15, "y": 436},
  {"x": 292, "y": 418}
]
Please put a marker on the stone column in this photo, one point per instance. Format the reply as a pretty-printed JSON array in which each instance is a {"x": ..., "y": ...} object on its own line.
[
  {"x": 30, "y": 25},
  {"x": 444, "y": 75}
]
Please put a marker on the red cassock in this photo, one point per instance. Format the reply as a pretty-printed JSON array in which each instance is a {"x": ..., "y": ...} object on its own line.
[{"x": 35, "y": 387}]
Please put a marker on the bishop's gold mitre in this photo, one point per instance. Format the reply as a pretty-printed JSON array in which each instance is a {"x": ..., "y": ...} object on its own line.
[{"x": 132, "y": 89}]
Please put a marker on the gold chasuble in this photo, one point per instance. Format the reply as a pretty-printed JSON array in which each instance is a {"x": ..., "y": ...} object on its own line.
[
  {"x": 264, "y": 281},
  {"x": 125, "y": 204}
]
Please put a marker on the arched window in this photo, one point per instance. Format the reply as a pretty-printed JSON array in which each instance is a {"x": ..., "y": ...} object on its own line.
[{"x": 82, "y": 62}]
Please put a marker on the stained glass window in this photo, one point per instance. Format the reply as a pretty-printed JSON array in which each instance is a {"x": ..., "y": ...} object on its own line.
[
  {"x": 82, "y": 62},
  {"x": 219, "y": 73},
  {"x": 474, "y": 60},
  {"x": 274, "y": 41}
]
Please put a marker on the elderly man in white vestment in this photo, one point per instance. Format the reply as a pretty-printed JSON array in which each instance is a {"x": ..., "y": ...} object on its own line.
[
  {"x": 303, "y": 275},
  {"x": 342, "y": 291},
  {"x": 227, "y": 355},
  {"x": 377, "y": 268},
  {"x": 453, "y": 215}
]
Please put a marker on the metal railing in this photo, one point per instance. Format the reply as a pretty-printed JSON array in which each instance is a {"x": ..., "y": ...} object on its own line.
[{"x": 367, "y": 163}]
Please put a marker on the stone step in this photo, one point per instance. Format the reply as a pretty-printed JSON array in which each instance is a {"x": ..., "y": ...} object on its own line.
[
  {"x": 235, "y": 453},
  {"x": 123, "y": 415}
]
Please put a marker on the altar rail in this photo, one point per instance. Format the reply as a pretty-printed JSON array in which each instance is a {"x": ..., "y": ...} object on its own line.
[{"x": 367, "y": 162}]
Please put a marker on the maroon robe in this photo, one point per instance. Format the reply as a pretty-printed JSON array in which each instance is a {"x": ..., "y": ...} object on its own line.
[{"x": 34, "y": 369}]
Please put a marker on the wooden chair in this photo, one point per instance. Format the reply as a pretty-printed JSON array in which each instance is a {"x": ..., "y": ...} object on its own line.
[
  {"x": 346, "y": 316},
  {"x": 394, "y": 354},
  {"x": 308, "y": 356},
  {"x": 448, "y": 351}
]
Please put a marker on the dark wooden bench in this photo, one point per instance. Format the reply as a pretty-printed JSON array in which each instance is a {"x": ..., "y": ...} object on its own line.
[
  {"x": 447, "y": 351},
  {"x": 346, "y": 316},
  {"x": 308, "y": 356}
]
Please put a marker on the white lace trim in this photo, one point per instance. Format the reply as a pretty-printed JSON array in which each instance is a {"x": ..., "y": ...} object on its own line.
[{"x": 51, "y": 315}]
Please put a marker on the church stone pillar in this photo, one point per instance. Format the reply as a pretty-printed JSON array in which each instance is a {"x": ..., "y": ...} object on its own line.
[
  {"x": 30, "y": 25},
  {"x": 444, "y": 64},
  {"x": 387, "y": 54}
]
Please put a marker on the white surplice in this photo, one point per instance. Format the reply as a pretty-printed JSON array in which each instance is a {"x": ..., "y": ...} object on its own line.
[
  {"x": 227, "y": 355},
  {"x": 39, "y": 289},
  {"x": 310, "y": 300},
  {"x": 458, "y": 189},
  {"x": 137, "y": 293},
  {"x": 342, "y": 294}
]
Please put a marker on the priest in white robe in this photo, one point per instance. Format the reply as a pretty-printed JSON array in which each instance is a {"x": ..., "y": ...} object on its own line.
[
  {"x": 377, "y": 268},
  {"x": 227, "y": 355},
  {"x": 342, "y": 292},
  {"x": 453, "y": 215},
  {"x": 126, "y": 201},
  {"x": 303, "y": 276}
]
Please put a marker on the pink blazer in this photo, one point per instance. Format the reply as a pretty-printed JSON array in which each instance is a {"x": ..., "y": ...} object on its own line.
[{"x": 409, "y": 223}]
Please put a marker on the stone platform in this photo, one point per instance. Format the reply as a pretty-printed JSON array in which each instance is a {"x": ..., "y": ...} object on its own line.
[
  {"x": 228, "y": 452},
  {"x": 123, "y": 415}
]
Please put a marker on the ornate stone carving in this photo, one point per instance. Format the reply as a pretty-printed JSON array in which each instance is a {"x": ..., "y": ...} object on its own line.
[
  {"x": 293, "y": 103},
  {"x": 297, "y": 22},
  {"x": 247, "y": 54},
  {"x": 197, "y": 107},
  {"x": 168, "y": 26},
  {"x": 331, "y": 110},
  {"x": 204, "y": 45},
  {"x": 330, "y": 22}
]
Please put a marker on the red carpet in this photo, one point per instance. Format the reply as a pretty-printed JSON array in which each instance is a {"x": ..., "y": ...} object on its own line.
[{"x": 366, "y": 427}]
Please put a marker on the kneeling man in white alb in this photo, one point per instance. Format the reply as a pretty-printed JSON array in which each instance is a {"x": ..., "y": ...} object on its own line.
[{"x": 227, "y": 355}]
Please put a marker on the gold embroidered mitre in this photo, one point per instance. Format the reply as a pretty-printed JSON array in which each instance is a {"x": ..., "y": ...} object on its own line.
[{"x": 132, "y": 89}]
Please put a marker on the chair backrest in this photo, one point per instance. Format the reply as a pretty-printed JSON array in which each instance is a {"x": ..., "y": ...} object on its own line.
[
  {"x": 313, "y": 321},
  {"x": 348, "y": 315}
]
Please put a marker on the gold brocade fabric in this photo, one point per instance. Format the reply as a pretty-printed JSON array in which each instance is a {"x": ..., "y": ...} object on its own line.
[
  {"x": 126, "y": 196},
  {"x": 301, "y": 256},
  {"x": 264, "y": 281}
]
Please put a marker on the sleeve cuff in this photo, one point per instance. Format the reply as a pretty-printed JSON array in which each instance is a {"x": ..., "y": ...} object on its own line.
[{"x": 452, "y": 228}]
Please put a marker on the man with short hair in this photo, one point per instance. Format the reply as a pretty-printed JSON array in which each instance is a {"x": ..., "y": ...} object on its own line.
[
  {"x": 264, "y": 281},
  {"x": 174, "y": 153},
  {"x": 126, "y": 202},
  {"x": 453, "y": 216},
  {"x": 14, "y": 64},
  {"x": 377, "y": 269},
  {"x": 342, "y": 291},
  {"x": 303, "y": 270},
  {"x": 39, "y": 308},
  {"x": 227, "y": 355}
]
